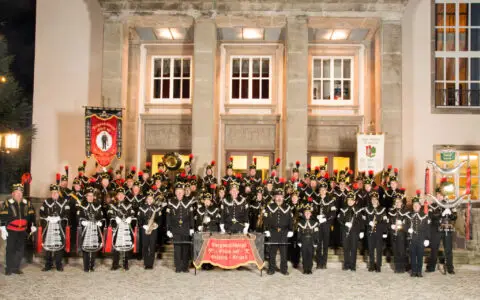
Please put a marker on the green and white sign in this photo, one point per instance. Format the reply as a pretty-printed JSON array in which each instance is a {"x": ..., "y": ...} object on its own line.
[{"x": 447, "y": 155}]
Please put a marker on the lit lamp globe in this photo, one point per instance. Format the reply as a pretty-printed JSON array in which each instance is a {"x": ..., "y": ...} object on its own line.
[
  {"x": 12, "y": 141},
  {"x": 448, "y": 189}
]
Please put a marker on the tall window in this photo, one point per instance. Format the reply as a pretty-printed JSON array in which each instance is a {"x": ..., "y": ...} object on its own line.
[
  {"x": 251, "y": 79},
  {"x": 447, "y": 161},
  {"x": 457, "y": 53},
  {"x": 172, "y": 78},
  {"x": 332, "y": 80}
]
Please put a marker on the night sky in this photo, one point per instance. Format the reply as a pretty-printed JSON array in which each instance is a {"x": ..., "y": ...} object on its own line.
[{"x": 17, "y": 24}]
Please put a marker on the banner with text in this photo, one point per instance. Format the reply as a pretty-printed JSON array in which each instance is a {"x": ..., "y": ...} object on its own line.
[
  {"x": 103, "y": 134},
  {"x": 227, "y": 251},
  {"x": 370, "y": 152}
]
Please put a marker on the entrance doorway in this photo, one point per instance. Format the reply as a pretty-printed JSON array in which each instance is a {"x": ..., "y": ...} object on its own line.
[
  {"x": 242, "y": 160},
  {"x": 336, "y": 160}
]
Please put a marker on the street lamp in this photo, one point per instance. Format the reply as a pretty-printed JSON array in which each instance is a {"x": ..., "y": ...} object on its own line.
[
  {"x": 9, "y": 142},
  {"x": 3, "y": 79}
]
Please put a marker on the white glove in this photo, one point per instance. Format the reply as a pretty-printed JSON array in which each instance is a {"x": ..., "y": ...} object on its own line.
[
  {"x": 33, "y": 229},
  {"x": 290, "y": 234},
  {"x": 370, "y": 223},
  {"x": 393, "y": 226},
  {"x": 4, "y": 232},
  {"x": 145, "y": 227},
  {"x": 49, "y": 219},
  {"x": 299, "y": 245},
  {"x": 319, "y": 217},
  {"x": 384, "y": 236},
  {"x": 361, "y": 235},
  {"x": 322, "y": 220},
  {"x": 84, "y": 223},
  {"x": 446, "y": 212},
  {"x": 200, "y": 228},
  {"x": 118, "y": 220},
  {"x": 222, "y": 228},
  {"x": 99, "y": 223},
  {"x": 169, "y": 234},
  {"x": 245, "y": 229},
  {"x": 348, "y": 224},
  {"x": 426, "y": 243},
  {"x": 129, "y": 220},
  {"x": 410, "y": 230},
  {"x": 267, "y": 233},
  {"x": 192, "y": 231}
]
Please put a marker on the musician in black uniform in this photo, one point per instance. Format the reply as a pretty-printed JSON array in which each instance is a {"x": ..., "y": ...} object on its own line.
[
  {"x": 278, "y": 228},
  {"x": 210, "y": 181},
  {"x": 256, "y": 206},
  {"x": 389, "y": 193},
  {"x": 90, "y": 213},
  {"x": 121, "y": 212},
  {"x": 54, "y": 210},
  {"x": 180, "y": 227},
  {"x": 208, "y": 215},
  {"x": 254, "y": 180},
  {"x": 75, "y": 199},
  {"x": 149, "y": 219},
  {"x": 325, "y": 213},
  {"x": 419, "y": 231},
  {"x": 136, "y": 198},
  {"x": 441, "y": 230},
  {"x": 297, "y": 213},
  {"x": 351, "y": 220},
  {"x": 340, "y": 195},
  {"x": 376, "y": 219},
  {"x": 228, "y": 179},
  {"x": 307, "y": 235},
  {"x": 234, "y": 212},
  {"x": 398, "y": 217},
  {"x": 16, "y": 215}
]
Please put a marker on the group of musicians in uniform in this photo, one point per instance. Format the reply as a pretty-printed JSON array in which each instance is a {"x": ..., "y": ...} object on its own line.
[{"x": 301, "y": 217}]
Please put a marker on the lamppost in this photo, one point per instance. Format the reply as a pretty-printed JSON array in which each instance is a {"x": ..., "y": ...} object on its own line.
[{"x": 9, "y": 141}]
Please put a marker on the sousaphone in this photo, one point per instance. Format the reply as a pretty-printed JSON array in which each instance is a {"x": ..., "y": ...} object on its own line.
[{"x": 172, "y": 161}]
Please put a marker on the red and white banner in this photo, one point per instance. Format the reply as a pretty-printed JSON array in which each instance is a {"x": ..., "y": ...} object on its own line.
[
  {"x": 229, "y": 252},
  {"x": 103, "y": 134}
]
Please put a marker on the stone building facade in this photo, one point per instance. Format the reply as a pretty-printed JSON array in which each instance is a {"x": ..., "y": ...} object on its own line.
[{"x": 294, "y": 79}]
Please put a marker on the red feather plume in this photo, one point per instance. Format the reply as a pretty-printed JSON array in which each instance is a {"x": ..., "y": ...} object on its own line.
[
  {"x": 297, "y": 163},
  {"x": 182, "y": 175},
  {"x": 376, "y": 188},
  {"x": 190, "y": 157},
  {"x": 255, "y": 160},
  {"x": 277, "y": 162},
  {"x": 92, "y": 180},
  {"x": 133, "y": 169},
  {"x": 444, "y": 179},
  {"x": 231, "y": 159},
  {"x": 212, "y": 163},
  {"x": 389, "y": 167},
  {"x": 84, "y": 163},
  {"x": 309, "y": 167},
  {"x": 225, "y": 183},
  {"x": 370, "y": 172},
  {"x": 148, "y": 164},
  {"x": 395, "y": 171},
  {"x": 122, "y": 167},
  {"x": 189, "y": 177},
  {"x": 58, "y": 176},
  {"x": 66, "y": 168},
  {"x": 140, "y": 173},
  {"x": 327, "y": 175},
  {"x": 402, "y": 190},
  {"x": 154, "y": 187},
  {"x": 292, "y": 179},
  {"x": 274, "y": 173},
  {"x": 317, "y": 168},
  {"x": 418, "y": 192},
  {"x": 350, "y": 172},
  {"x": 282, "y": 180},
  {"x": 300, "y": 185},
  {"x": 355, "y": 186},
  {"x": 325, "y": 161},
  {"x": 110, "y": 171},
  {"x": 335, "y": 171},
  {"x": 264, "y": 182}
]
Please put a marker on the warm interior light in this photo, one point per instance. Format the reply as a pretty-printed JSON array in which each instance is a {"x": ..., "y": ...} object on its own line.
[
  {"x": 177, "y": 34},
  {"x": 164, "y": 33},
  {"x": 339, "y": 34},
  {"x": 252, "y": 33},
  {"x": 12, "y": 141},
  {"x": 3, "y": 79}
]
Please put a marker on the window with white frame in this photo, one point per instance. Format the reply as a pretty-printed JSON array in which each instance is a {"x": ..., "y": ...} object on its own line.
[
  {"x": 457, "y": 53},
  {"x": 172, "y": 78},
  {"x": 251, "y": 79},
  {"x": 332, "y": 80}
]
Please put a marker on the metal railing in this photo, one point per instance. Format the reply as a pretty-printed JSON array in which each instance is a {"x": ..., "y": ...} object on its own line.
[{"x": 457, "y": 98}]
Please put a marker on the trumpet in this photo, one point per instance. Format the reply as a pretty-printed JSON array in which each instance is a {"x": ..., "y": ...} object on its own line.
[{"x": 151, "y": 224}]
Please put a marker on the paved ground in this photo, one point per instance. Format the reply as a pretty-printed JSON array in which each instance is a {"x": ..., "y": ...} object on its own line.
[{"x": 162, "y": 282}]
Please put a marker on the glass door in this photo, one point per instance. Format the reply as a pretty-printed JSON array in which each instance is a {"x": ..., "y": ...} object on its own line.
[
  {"x": 336, "y": 161},
  {"x": 243, "y": 160}
]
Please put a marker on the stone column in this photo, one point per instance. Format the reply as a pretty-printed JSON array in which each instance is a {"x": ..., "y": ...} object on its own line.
[
  {"x": 296, "y": 111},
  {"x": 391, "y": 90},
  {"x": 114, "y": 43},
  {"x": 203, "y": 108}
]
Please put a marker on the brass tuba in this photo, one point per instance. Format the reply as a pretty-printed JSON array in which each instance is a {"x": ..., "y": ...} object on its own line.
[{"x": 172, "y": 161}]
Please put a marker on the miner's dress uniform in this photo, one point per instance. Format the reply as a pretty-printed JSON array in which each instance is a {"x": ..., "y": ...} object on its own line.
[
  {"x": 54, "y": 211},
  {"x": 208, "y": 218},
  {"x": 278, "y": 222},
  {"x": 123, "y": 212},
  {"x": 16, "y": 217},
  {"x": 234, "y": 214},
  {"x": 180, "y": 225},
  {"x": 89, "y": 212},
  {"x": 419, "y": 230},
  {"x": 307, "y": 235},
  {"x": 351, "y": 220},
  {"x": 376, "y": 219},
  {"x": 145, "y": 213},
  {"x": 325, "y": 214},
  {"x": 441, "y": 229},
  {"x": 398, "y": 235}
]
